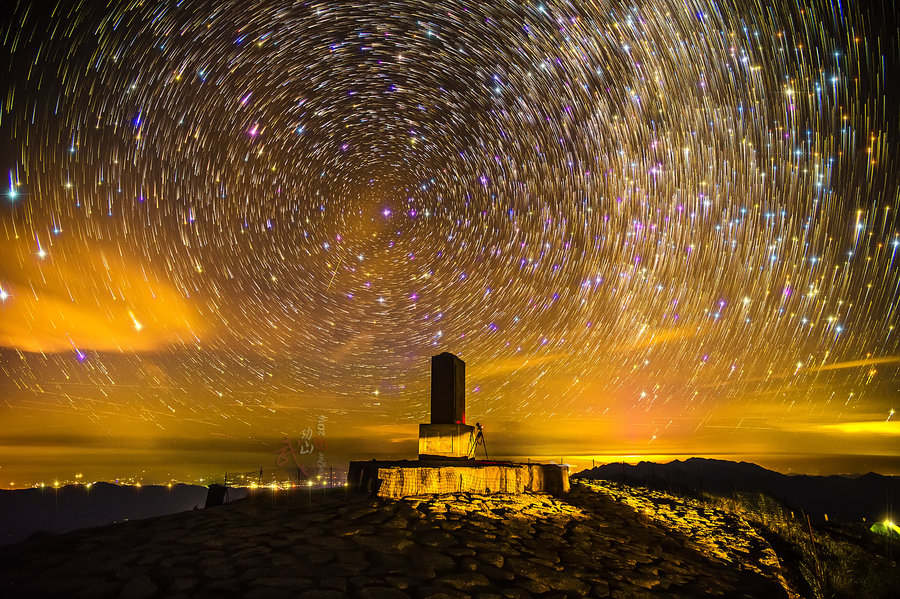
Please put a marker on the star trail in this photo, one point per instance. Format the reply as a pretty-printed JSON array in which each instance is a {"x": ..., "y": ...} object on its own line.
[{"x": 659, "y": 228}]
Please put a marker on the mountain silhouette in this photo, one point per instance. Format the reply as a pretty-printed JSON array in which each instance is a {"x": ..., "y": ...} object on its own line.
[
  {"x": 846, "y": 498},
  {"x": 24, "y": 512}
]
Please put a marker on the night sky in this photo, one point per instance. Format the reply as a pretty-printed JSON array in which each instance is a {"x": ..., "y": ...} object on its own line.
[{"x": 663, "y": 229}]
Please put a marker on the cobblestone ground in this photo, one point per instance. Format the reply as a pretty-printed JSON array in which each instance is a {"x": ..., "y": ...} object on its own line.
[{"x": 597, "y": 541}]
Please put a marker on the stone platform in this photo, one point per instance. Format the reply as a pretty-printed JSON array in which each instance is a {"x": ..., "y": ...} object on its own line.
[{"x": 405, "y": 478}]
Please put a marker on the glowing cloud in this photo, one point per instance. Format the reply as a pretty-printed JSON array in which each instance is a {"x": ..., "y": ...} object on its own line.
[
  {"x": 877, "y": 427},
  {"x": 102, "y": 301}
]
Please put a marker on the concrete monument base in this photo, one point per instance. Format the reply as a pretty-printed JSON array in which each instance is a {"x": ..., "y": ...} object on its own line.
[
  {"x": 406, "y": 477},
  {"x": 445, "y": 441}
]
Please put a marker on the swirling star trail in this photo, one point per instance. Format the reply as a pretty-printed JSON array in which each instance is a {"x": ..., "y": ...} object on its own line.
[{"x": 660, "y": 228}]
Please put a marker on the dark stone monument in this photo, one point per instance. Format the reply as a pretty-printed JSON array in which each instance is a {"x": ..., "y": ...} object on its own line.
[
  {"x": 448, "y": 437},
  {"x": 448, "y": 389}
]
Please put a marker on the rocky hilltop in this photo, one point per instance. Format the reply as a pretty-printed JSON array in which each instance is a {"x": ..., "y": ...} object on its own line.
[
  {"x": 846, "y": 498},
  {"x": 594, "y": 541}
]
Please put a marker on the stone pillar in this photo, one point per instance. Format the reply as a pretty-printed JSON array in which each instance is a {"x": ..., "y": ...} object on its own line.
[
  {"x": 448, "y": 389},
  {"x": 448, "y": 436}
]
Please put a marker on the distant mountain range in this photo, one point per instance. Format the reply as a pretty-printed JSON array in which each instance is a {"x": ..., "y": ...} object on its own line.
[
  {"x": 845, "y": 498},
  {"x": 24, "y": 512}
]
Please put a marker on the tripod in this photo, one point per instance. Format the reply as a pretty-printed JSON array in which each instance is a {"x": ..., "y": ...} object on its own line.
[{"x": 479, "y": 440}]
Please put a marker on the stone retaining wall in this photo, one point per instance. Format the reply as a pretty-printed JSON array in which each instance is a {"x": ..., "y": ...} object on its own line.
[{"x": 407, "y": 478}]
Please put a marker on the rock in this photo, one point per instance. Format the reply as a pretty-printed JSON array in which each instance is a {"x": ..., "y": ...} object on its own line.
[
  {"x": 353, "y": 530},
  {"x": 337, "y": 583},
  {"x": 514, "y": 593},
  {"x": 284, "y": 582},
  {"x": 468, "y": 564},
  {"x": 632, "y": 594},
  {"x": 332, "y": 544},
  {"x": 149, "y": 558},
  {"x": 321, "y": 594},
  {"x": 460, "y": 551},
  {"x": 645, "y": 581},
  {"x": 87, "y": 582},
  {"x": 357, "y": 513},
  {"x": 103, "y": 589},
  {"x": 569, "y": 584},
  {"x": 344, "y": 569},
  {"x": 138, "y": 588},
  {"x": 127, "y": 573},
  {"x": 221, "y": 587},
  {"x": 381, "y": 593},
  {"x": 465, "y": 581},
  {"x": 356, "y": 558},
  {"x": 390, "y": 544},
  {"x": 441, "y": 593},
  {"x": 399, "y": 582},
  {"x": 495, "y": 573},
  {"x": 441, "y": 540},
  {"x": 170, "y": 574},
  {"x": 267, "y": 593},
  {"x": 531, "y": 569},
  {"x": 178, "y": 560},
  {"x": 318, "y": 557},
  {"x": 251, "y": 531},
  {"x": 432, "y": 560},
  {"x": 210, "y": 562},
  {"x": 544, "y": 559},
  {"x": 533, "y": 586},
  {"x": 489, "y": 557},
  {"x": 359, "y": 582},
  {"x": 183, "y": 583},
  {"x": 219, "y": 573}
]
